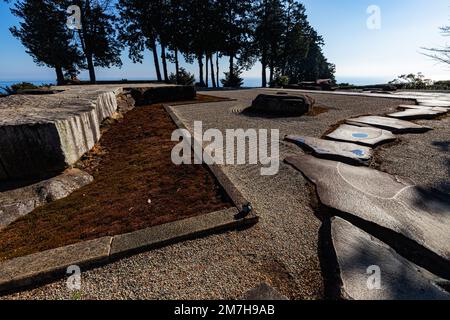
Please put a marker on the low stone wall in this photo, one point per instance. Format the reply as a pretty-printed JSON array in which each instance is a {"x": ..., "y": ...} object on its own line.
[{"x": 43, "y": 135}]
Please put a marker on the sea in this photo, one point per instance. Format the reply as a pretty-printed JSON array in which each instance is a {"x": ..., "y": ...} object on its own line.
[{"x": 248, "y": 82}]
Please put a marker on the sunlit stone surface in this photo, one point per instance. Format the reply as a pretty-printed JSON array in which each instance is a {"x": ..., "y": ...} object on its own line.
[
  {"x": 334, "y": 150},
  {"x": 361, "y": 135},
  {"x": 393, "y": 125}
]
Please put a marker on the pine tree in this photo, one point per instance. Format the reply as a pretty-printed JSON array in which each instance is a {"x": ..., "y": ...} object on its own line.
[{"x": 43, "y": 32}]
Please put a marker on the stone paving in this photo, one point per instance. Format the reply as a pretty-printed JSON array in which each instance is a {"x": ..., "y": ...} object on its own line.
[
  {"x": 394, "y": 203},
  {"x": 364, "y": 136}
]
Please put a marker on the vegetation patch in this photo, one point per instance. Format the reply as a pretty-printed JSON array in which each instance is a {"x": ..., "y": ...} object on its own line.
[{"x": 136, "y": 186}]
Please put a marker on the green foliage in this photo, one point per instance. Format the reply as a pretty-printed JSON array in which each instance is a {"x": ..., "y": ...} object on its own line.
[
  {"x": 279, "y": 81},
  {"x": 43, "y": 32},
  {"x": 233, "y": 80},
  {"x": 13, "y": 89},
  {"x": 412, "y": 81},
  {"x": 184, "y": 78}
]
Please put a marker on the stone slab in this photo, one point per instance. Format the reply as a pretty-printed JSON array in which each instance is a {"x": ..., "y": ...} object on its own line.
[
  {"x": 177, "y": 231},
  {"x": 19, "y": 202},
  {"x": 28, "y": 270},
  {"x": 388, "y": 201},
  {"x": 390, "y": 124},
  {"x": 365, "y": 136},
  {"x": 334, "y": 150},
  {"x": 417, "y": 113},
  {"x": 400, "y": 279},
  {"x": 264, "y": 292},
  {"x": 434, "y": 103},
  {"x": 404, "y": 106},
  {"x": 41, "y": 135}
]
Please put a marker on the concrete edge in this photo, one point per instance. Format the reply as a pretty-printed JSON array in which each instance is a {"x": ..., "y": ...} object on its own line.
[
  {"x": 236, "y": 196},
  {"x": 46, "y": 266}
]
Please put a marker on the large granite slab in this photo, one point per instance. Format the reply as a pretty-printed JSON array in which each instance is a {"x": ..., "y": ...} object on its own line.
[
  {"x": 42, "y": 135},
  {"x": 388, "y": 201},
  {"x": 334, "y": 150},
  {"x": 385, "y": 123},
  {"x": 359, "y": 255},
  {"x": 364, "y": 136}
]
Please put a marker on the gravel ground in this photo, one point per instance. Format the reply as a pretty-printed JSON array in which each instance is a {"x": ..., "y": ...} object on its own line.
[{"x": 282, "y": 249}]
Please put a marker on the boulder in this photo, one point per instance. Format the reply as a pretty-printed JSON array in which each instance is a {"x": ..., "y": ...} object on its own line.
[
  {"x": 283, "y": 105},
  {"x": 147, "y": 96}
]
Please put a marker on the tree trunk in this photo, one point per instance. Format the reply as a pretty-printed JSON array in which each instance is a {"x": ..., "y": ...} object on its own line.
[
  {"x": 177, "y": 66},
  {"x": 231, "y": 66},
  {"x": 59, "y": 76},
  {"x": 200, "y": 67},
  {"x": 217, "y": 70},
  {"x": 91, "y": 68},
  {"x": 207, "y": 71},
  {"x": 156, "y": 61},
  {"x": 213, "y": 78},
  {"x": 164, "y": 62},
  {"x": 264, "y": 67},
  {"x": 271, "y": 71}
]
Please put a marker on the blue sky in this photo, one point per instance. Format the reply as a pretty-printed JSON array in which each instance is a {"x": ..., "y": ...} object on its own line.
[{"x": 361, "y": 55}]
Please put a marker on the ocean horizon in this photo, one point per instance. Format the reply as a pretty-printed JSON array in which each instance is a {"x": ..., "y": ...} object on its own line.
[{"x": 248, "y": 82}]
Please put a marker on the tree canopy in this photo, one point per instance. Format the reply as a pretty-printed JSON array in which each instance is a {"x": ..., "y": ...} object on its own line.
[{"x": 274, "y": 33}]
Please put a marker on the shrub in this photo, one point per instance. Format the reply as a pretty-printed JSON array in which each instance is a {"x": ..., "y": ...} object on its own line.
[
  {"x": 184, "y": 78},
  {"x": 19, "y": 86},
  {"x": 279, "y": 81},
  {"x": 234, "y": 80}
]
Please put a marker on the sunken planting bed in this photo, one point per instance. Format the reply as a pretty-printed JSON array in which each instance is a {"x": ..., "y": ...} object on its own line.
[{"x": 136, "y": 186}]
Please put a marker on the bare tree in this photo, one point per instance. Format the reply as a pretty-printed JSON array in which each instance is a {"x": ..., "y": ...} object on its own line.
[{"x": 440, "y": 54}]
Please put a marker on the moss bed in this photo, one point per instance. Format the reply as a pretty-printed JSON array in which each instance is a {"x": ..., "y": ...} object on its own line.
[{"x": 136, "y": 186}]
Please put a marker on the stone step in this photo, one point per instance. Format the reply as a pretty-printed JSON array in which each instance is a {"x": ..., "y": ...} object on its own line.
[
  {"x": 334, "y": 150},
  {"x": 365, "y": 136},
  {"x": 387, "y": 201},
  {"x": 360, "y": 256},
  {"x": 405, "y": 106},
  {"x": 385, "y": 123}
]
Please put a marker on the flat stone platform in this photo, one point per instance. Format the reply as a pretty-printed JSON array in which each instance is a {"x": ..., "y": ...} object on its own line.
[{"x": 41, "y": 135}]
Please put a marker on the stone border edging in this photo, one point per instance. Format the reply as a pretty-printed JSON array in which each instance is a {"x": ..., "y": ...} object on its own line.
[{"x": 41, "y": 267}]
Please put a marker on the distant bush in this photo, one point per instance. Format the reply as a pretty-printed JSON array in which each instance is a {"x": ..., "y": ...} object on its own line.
[
  {"x": 234, "y": 80},
  {"x": 184, "y": 78},
  {"x": 279, "y": 81},
  {"x": 412, "y": 81},
  {"x": 19, "y": 86},
  {"x": 441, "y": 85}
]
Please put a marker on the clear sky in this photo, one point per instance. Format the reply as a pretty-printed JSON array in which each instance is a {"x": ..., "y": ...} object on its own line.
[{"x": 361, "y": 55}]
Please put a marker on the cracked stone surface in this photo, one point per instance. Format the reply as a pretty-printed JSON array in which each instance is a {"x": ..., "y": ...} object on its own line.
[
  {"x": 334, "y": 150},
  {"x": 358, "y": 252},
  {"x": 393, "y": 125},
  {"x": 19, "y": 202},
  {"x": 388, "y": 201},
  {"x": 361, "y": 135}
]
